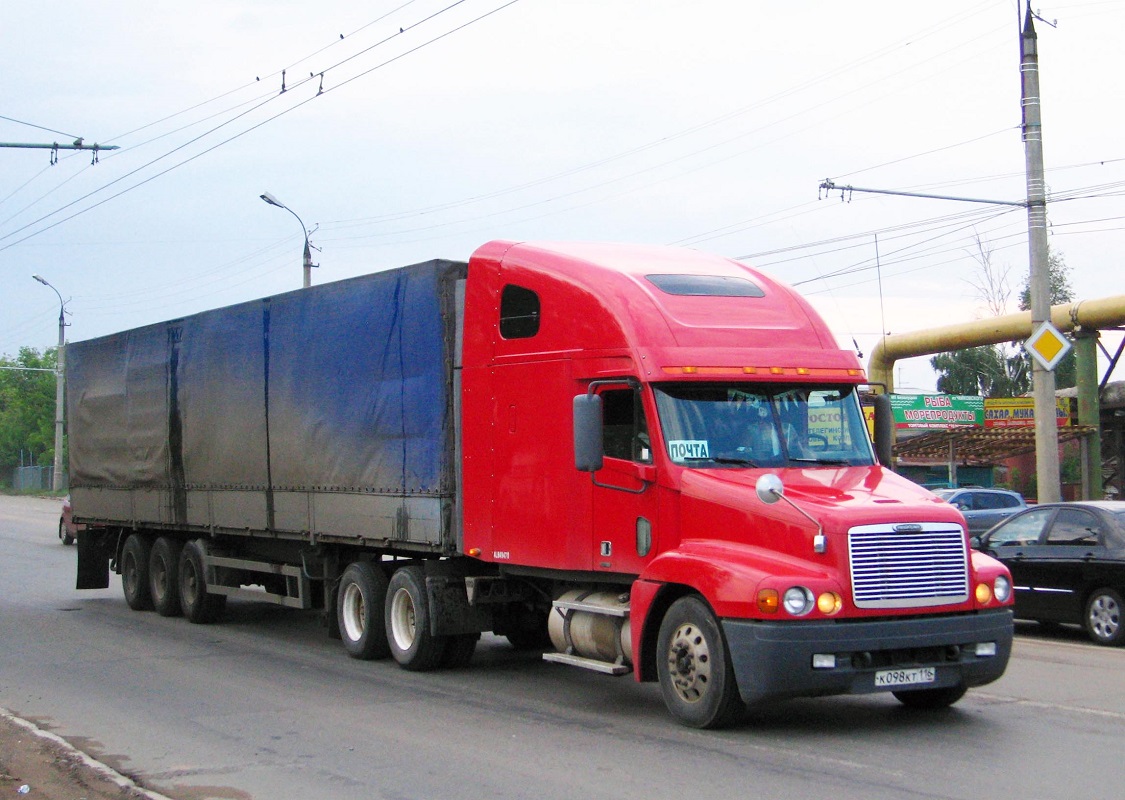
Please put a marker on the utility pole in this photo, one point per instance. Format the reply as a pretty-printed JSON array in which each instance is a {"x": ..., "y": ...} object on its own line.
[
  {"x": 1042, "y": 379},
  {"x": 1039, "y": 281},
  {"x": 60, "y": 392}
]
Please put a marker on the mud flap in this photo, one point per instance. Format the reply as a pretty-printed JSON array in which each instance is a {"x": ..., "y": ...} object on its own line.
[{"x": 93, "y": 560}]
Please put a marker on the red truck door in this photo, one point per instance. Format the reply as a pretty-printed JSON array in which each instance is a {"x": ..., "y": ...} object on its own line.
[{"x": 624, "y": 492}]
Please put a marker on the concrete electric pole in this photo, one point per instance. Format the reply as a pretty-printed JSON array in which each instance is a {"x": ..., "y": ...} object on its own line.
[
  {"x": 1042, "y": 379},
  {"x": 60, "y": 384}
]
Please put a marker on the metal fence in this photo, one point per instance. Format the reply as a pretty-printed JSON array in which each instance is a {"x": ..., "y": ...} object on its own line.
[{"x": 31, "y": 478}]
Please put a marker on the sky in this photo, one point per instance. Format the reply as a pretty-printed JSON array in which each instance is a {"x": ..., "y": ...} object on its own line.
[{"x": 417, "y": 129}]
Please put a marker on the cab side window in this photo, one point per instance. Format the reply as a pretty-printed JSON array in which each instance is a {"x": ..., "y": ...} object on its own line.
[
  {"x": 519, "y": 312},
  {"x": 624, "y": 430}
]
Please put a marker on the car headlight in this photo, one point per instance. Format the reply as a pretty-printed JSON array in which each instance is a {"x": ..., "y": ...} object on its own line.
[
  {"x": 1002, "y": 588},
  {"x": 798, "y": 601}
]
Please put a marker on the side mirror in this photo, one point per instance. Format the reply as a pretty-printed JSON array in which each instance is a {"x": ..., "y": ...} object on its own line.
[
  {"x": 588, "y": 454},
  {"x": 769, "y": 488},
  {"x": 884, "y": 431}
]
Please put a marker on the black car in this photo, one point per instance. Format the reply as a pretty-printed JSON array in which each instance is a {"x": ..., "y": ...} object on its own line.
[
  {"x": 1068, "y": 564},
  {"x": 983, "y": 508}
]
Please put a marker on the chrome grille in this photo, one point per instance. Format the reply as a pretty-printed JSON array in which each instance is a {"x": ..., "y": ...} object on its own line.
[{"x": 893, "y": 569}]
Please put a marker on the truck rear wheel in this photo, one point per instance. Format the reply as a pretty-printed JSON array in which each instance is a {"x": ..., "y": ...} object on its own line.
[
  {"x": 696, "y": 676},
  {"x": 408, "y": 622},
  {"x": 164, "y": 576},
  {"x": 198, "y": 606},
  {"x": 134, "y": 572},
  {"x": 359, "y": 611}
]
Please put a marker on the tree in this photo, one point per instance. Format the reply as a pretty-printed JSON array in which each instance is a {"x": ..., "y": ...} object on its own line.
[
  {"x": 984, "y": 370},
  {"x": 1002, "y": 370},
  {"x": 27, "y": 409}
]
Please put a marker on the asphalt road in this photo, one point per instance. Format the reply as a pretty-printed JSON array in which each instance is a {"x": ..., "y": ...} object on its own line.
[{"x": 265, "y": 706}]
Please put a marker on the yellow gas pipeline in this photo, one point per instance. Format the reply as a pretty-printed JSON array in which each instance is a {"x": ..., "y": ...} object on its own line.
[{"x": 1102, "y": 313}]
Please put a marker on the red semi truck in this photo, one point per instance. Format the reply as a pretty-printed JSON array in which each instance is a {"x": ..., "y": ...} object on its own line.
[{"x": 643, "y": 460}]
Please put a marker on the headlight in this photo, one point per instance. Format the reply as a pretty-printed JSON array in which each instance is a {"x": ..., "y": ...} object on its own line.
[
  {"x": 798, "y": 601},
  {"x": 1002, "y": 588},
  {"x": 829, "y": 603}
]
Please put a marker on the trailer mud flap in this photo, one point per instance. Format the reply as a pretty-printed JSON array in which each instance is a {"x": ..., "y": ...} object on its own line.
[{"x": 93, "y": 560}]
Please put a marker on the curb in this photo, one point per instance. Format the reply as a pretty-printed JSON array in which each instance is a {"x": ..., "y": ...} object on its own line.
[{"x": 104, "y": 770}]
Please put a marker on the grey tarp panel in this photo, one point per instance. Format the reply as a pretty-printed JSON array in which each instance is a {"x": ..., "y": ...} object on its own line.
[
  {"x": 341, "y": 389},
  {"x": 221, "y": 393},
  {"x": 117, "y": 406}
]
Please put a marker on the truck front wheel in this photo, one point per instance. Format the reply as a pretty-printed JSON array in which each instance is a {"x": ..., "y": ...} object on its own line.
[
  {"x": 412, "y": 644},
  {"x": 198, "y": 606},
  {"x": 359, "y": 611},
  {"x": 134, "y": 572},
  {"x": 696, "y": 676}
]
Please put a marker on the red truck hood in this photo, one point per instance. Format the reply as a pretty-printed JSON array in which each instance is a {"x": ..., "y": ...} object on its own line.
[{"x": 722, "y": 504}]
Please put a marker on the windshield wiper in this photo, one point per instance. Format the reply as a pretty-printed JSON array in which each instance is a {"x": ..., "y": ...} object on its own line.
[
  {"x": 831, "y": 462},
  {"x": 744, "y": 462}
]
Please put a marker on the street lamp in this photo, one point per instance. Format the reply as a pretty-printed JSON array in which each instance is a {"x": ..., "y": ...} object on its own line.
[
  {"x": 273, "y": 201},
  {"x": 60, "y": 364}
]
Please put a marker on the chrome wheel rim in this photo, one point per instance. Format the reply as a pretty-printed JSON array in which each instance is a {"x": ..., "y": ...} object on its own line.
[
  {"x": 403, "y": 619},
  {"x": 355, "y": 611},
  {"x": 689, "y": 663},
  {"x": 1105, "y": 617}
]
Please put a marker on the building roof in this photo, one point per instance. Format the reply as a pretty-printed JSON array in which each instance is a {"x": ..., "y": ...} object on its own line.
[{"x": 978, "y": 445}]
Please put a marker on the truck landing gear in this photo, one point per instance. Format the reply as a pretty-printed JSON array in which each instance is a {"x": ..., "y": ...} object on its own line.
[{"x": 696, "y": 677}]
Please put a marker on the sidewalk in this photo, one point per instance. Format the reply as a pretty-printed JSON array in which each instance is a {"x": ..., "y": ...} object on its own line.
[{"x": 51, "y": 769}]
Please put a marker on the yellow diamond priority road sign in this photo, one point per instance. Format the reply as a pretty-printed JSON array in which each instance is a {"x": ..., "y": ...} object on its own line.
[{"x": 1047, "y": 345}]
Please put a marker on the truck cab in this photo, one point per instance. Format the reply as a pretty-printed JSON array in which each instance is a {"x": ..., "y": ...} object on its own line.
[{"x": 623, "y": 408}]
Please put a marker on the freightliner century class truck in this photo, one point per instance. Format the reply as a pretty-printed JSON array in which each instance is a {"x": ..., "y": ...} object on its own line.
[{"x": 642, "y": 460}]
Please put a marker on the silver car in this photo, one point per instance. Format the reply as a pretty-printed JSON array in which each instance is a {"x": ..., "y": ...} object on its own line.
[{"x": 983, "y": 508}]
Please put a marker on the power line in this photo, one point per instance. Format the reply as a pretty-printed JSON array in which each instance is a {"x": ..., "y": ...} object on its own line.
[
  {"x": 237, "y": 135},
  {"x": 40, "y": 127}
]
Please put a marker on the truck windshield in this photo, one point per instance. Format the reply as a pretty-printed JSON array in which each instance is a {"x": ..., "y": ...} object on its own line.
[{"x": 737, "y": 425}]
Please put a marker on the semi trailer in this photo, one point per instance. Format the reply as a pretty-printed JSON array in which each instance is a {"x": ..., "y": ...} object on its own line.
[{"x": 644, "y": 461}]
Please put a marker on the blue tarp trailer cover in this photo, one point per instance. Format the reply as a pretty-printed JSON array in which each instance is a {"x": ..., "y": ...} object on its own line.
[{"x": 326, "y": 412}]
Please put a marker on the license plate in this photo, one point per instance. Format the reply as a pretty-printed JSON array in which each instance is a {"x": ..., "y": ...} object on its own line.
[{"x": 905, "y": 677}]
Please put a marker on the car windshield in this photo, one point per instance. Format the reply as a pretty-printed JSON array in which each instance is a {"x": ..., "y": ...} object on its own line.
[
  {"x": 945, "y": 494},
  {"x": 741, "y": 425}
]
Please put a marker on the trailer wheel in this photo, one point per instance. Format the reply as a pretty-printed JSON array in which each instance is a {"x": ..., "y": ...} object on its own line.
[
  {"x": 459, "y": 649},
  {"x": 198, "y": 606},
  {"x": 931, "y": 699},
  {"x": 134, "y": 572},
  {"x": 359, "y": 611},
  {"x": 696, "y": 676},
  {"x": 408, "y": 622},
  {"x": 64, "y": 534},
  {"x": 164, "y": 576}
]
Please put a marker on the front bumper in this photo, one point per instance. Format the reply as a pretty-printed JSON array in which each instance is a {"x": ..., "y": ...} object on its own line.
[{"x": 774, "y": 660}]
